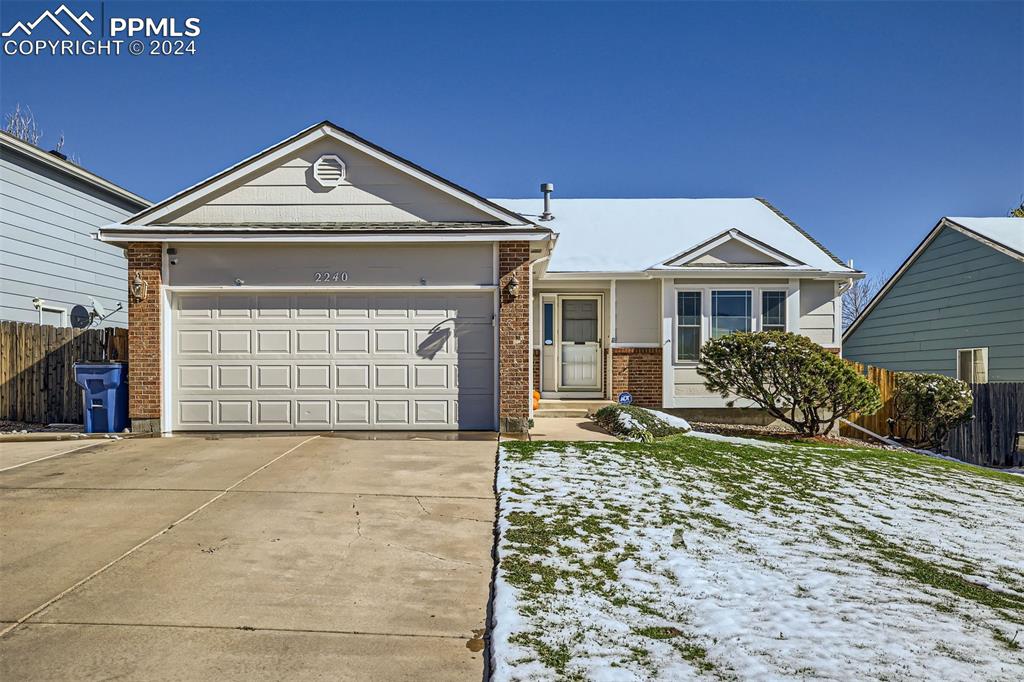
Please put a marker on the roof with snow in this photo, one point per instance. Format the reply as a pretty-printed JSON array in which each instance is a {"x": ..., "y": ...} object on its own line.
[
  {"x": 633, "y": 235},
  {"x": 1006, "y": 231}
]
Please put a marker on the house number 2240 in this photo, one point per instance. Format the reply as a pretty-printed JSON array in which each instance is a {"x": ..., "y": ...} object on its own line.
[{"x": 330, "y": 276}]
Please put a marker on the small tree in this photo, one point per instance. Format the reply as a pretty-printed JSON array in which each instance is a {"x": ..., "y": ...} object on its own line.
[
  {"x": 791, "y": 377},
  {"x": 928, "y": 407},
  {"x": 21, "y": 123},
  {"x": 857, "y": 297}
]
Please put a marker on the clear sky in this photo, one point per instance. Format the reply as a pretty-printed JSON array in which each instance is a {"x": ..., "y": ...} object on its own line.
[{"x": 864, "y": 122}]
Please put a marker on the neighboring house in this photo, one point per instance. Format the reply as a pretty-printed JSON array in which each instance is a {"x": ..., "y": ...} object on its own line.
[
  {"x": 49, "y": 259},
  {"x": 955, "y": 306},
  {"x": 326, "y": 283}
]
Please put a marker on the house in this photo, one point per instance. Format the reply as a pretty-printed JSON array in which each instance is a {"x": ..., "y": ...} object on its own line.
[
  {"x": 327, "y": 283},
  {"x": 49, "y": 260},
  {"x": 955, "y": 306}
]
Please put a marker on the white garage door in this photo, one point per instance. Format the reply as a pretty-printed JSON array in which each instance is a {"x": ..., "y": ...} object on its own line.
[{"x": 323, "y": 361}]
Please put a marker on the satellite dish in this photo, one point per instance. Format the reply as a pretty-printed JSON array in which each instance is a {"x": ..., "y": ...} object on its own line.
[
  {"x": 98, "y": 308},
  {"x": 80, "y": 317}
]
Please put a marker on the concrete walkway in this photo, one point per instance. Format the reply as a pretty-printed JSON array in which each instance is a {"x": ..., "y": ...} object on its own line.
[{"x": 287, "y": 557}]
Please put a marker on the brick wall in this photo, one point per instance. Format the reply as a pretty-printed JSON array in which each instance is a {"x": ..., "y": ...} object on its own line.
[
  {"x": 514, "y": 338},
  {"x": 638, "y": 370},
  {"x": 144, "y": 389}
]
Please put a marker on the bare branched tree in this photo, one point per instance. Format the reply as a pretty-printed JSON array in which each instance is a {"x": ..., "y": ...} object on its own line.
[
  {"x": 21, "y": 123},
  {"x": 1019, "y": 211},
  {"x": 857, "y": 297}
]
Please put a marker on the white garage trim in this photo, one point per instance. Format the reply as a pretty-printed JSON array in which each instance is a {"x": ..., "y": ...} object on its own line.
[
  {"x": 332, "y": 289},
  {"x": 166, "y": 334},
  {"x": 420, "y": 362}
]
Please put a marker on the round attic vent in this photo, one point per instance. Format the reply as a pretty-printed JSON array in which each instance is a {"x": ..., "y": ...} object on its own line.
[{"x": 329, "y": 170}]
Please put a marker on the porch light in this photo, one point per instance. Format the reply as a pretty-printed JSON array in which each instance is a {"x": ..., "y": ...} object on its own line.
[{"x": 512, "y": 287}]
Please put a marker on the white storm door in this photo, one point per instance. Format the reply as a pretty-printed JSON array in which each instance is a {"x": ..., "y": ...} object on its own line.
[{"x": 580, "y": 342}]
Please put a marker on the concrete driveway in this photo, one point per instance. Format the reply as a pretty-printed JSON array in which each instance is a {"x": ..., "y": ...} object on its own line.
[{"x": 275, "y": 557}]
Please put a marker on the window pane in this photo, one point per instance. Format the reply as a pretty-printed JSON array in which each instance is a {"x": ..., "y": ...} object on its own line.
[
  {"x": 579, "y": 320},
  {"x": 730, "y": 312},
  {"x": 549, "y": 323},
  {"x": 688, "y": 340},
  {"x": 688, "y": 307},
  {"x": 966, "y": 370},
  {"x": 773, "y": 310},
  {"x": 980, "y": 373}
]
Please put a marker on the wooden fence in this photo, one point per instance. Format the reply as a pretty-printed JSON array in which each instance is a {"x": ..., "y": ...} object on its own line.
[
  {"x": 990, "y": 438},
  {"x": 37, "y": 379}
]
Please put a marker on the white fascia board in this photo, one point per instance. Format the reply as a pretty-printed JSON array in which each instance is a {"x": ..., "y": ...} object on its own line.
[
  {"x": 270, "y": 156},
  {"x": 549, "y": 275},
  {"x": 255, "y": 237},
  {"x": 732, "y": 234},
  {"x": 742, "y": 273},
  {"x": 340, "y": 288}
]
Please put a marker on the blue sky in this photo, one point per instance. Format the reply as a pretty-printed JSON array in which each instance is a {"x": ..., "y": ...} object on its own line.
[{"x": 864, "y": 122}]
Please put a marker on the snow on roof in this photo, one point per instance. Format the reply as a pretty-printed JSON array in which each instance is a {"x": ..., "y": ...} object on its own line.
[
  {"x": 632, "y": 235},
  {"x": 1006, "y": 231}
]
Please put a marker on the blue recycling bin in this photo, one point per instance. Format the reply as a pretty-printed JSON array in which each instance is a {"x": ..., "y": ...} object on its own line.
[{"x": 104, "y": 395}]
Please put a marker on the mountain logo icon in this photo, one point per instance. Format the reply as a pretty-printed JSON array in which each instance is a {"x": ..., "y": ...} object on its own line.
[{"x": 69, "y": 16}]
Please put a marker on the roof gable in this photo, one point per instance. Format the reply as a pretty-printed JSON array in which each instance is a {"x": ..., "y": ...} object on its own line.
[
  {"x": 638, "y": 235},
  {"x": 731, "y": 247},
  {"x": 281, "y": 186},
  {"x": 944, "y": 224}
]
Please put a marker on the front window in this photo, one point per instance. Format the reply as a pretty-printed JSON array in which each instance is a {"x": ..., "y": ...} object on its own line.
[
  {"x": 730, "y": 312},
  {"x": 972, "y": 365},
  {"x": 773, "y": 311},
  {"x": 688, "y": 323}
]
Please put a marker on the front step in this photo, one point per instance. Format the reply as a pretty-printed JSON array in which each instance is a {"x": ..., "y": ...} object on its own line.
[
  {"x": 561, "y": 407},
  {"x": 560, "y": 412}
]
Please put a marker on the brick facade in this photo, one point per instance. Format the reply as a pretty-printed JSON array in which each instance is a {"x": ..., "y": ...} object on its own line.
[
  {"x": 144, "y": 383},
  {"x": 638, "y": 370},
  {"x": 514, "y": 338}
]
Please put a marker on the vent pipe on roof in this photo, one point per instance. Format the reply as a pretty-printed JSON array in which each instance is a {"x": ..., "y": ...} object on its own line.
[{"x": 546, "y": 189}]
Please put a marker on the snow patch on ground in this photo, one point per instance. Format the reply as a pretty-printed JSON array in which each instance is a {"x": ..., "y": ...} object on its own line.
[{"x": 727, "y": 562}]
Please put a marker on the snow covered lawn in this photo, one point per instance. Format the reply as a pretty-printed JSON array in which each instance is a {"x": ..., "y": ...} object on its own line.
[{"x": 737, "y": 559}]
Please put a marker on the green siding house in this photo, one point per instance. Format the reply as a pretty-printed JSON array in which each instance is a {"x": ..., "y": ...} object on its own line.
[{"x": 955, "y": 306}]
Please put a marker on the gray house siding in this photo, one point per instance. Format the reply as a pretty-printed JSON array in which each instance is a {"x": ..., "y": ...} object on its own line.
[
  {"x": 959, "y": 293},
  {"x": 46, "y": 251}
]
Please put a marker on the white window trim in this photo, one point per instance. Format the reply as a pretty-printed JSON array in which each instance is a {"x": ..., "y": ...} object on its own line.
[
  {"x": 44, "y": 308},
  {"x": 760, "y": 301},
  {"x": 984, "y": 356},
  {"x": 789, "y": 289}
]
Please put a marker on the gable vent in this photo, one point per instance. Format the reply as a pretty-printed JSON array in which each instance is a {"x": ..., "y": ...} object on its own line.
[{"x": 329, "y": 170}]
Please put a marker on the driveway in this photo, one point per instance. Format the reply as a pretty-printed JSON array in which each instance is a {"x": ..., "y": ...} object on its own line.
[{"x": 275, "y": 557}]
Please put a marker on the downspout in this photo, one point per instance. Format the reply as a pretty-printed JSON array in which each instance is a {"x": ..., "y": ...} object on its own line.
[{"x": 530, "y": 330}]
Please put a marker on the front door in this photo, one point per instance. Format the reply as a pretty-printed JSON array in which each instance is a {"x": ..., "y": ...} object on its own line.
[{"x": 579, "y": 343}]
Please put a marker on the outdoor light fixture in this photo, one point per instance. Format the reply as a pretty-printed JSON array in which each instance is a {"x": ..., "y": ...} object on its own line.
[{"x": 512, "y": 287}]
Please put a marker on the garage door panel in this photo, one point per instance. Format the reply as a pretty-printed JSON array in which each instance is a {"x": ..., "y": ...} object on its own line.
[
  {"x": 234, "y": 412},
  {"x": 352, "y": 377},
  {"x": 234, "y": 377},
  {"x": 320, "y": 361},
  {"x": 273, "y": 307},
  {"x": 391, "y": 341},
  {"x": 273, "y": 341},
  {"x": 273, "y": 377},
  {"x": 234, "y": 307},
  {"x": 312, "y": 377},
  {"x": 352, "y": 413},
  {"x": 352, "y": 340}
]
